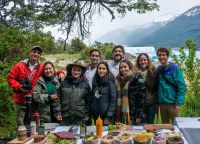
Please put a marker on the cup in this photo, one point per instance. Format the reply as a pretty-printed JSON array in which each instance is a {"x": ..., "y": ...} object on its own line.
[{"x": 21, "y": 133}]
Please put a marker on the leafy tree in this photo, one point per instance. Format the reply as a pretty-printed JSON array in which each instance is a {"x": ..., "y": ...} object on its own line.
[
  {"x": 191, "y": 68},
  {"x": 14, "y": 45},
  {"x": 76, "y": 46},
  {"x": 105, "y": 48},
  {"x": 10, "y": 42},
  {"x": 67, "y": 15}
]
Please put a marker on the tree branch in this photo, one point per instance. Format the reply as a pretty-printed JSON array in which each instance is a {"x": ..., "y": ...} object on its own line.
[{"x": 109, "y": 10}]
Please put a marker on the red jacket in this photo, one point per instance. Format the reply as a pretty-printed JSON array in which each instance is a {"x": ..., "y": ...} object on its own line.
[{"x": 20, "y": 71}]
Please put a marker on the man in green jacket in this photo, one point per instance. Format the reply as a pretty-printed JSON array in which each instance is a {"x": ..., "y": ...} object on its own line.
[{"x": 171, "y": 87}]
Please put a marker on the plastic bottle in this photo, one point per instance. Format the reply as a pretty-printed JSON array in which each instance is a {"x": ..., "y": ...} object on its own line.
[{"x": 99, "y": 127}]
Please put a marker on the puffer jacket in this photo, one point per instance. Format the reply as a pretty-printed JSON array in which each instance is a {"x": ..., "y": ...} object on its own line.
[
  {"x": 42, "y": 98},
  {"x": 74, "y": 98},
  {"x": 173, "y": 90},
  {"x": 106, "y": 104},
  {"x": 137, "y": 98}
]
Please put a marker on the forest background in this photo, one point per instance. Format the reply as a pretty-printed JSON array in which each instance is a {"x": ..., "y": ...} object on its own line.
[{"x": 16, "y": 41}]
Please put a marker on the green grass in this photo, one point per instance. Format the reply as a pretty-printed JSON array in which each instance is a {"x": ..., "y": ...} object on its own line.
[{"x": 62, "y": 56}]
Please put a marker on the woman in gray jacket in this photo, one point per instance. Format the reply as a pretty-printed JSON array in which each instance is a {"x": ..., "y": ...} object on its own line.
[{"x": 45, "y": 93}]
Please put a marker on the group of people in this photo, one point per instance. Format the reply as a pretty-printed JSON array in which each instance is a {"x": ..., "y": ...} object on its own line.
[{"x": 117, "y": 91}]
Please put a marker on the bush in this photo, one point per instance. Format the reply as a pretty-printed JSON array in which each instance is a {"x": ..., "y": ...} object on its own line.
[{"x": 191, "y": 69}]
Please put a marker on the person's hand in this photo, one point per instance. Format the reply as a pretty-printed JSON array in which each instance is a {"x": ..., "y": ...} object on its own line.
[
  {"x": 62, "y": 76},
  {"x": 106, "y": 122},
  {"x": 23, "y": 90},
  {"x": 54, "y": 97},
  {"x": 137, "y": 121},
  {"x": 178, "y": 108},
  {"x": 59, "y": 117}
]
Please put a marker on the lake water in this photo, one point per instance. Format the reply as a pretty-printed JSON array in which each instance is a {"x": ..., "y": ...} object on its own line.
[{"x": 177, "y": 53}]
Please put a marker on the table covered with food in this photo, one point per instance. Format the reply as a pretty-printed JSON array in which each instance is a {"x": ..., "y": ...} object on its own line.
[{"x": 111, "y": 134}]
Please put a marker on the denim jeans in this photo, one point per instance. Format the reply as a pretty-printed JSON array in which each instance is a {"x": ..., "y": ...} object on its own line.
[{"x": 150, "y": 112}]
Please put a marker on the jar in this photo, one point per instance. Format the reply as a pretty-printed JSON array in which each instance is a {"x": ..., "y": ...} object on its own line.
[
  {"x": 21, "y": 133},
  {"x": 33, "y": 127}
]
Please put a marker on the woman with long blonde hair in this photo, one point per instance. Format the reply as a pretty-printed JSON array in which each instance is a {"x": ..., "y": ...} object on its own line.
[
  {"x": 148, "y": 72},
  {"x": 130, "y": 94}
]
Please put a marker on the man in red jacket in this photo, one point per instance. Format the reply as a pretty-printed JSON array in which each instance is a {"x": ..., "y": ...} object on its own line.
[{"x": 29, "y": 69}]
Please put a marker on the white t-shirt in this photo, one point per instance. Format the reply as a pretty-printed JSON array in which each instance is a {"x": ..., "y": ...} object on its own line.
[{"x": 89, "y": 74}]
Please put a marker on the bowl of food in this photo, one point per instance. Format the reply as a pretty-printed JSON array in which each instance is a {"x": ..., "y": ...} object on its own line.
[
  {"x": 114, "y": 133},
  {"x": 175, "y": 140},
  {"x": 123, "y": 139},
  {"x": 141, "y": 139},
  {"x": 90, "y": 139},
  {"x": 159, "y": 140},
  {"x": 107, "y": 139}
]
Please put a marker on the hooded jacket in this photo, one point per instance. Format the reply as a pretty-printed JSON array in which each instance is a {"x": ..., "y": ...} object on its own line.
[{"x": 173, "y": 90}]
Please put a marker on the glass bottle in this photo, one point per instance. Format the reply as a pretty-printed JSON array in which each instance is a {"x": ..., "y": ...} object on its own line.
[
  {"x": 83, "y": 129},
  {"x": 27, "y": 117},
  {"x": 36, "y": 119},
  {"x": 99, "y": 127},
  {"x": 41, "y": 128}
]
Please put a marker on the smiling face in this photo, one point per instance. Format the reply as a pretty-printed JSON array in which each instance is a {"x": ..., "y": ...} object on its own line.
[
  {"x": 124, "y": 68},
  {"x": 118, "y": 54},
  {"x": 94, "y": 57},
  {"x": 76, "y": 71},
  {"x": 49, "y": 70},
  {"x": 102, "y": 70},
  {"x": 163, "y": 58},
  {"x": 143, "y": 61},
  {"x": 34, "y": 56}
]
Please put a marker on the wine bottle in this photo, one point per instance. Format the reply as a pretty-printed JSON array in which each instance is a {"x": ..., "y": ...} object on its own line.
[
  {"x": 37, "y": 119},
  {"x": 27, "y": 117},
  {"x": 83, "y": 129},
  {"x": 41, "y": 128}
]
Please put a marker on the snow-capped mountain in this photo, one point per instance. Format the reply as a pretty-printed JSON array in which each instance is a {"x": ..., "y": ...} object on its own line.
[
  {"x": 174, "y": 33},
  {"x": 133, "y": 34},
  {"x": 166, "y": 18},
  {"x": 195, "y": 11}
]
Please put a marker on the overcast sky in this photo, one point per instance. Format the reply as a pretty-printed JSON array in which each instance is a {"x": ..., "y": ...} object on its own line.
[{"x": 102, "y": 24}]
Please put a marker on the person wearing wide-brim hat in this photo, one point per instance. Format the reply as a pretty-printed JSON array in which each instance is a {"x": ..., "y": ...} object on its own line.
[
  {"x": 77, "y": 64},
  {"x": 73, "y": 104}
]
